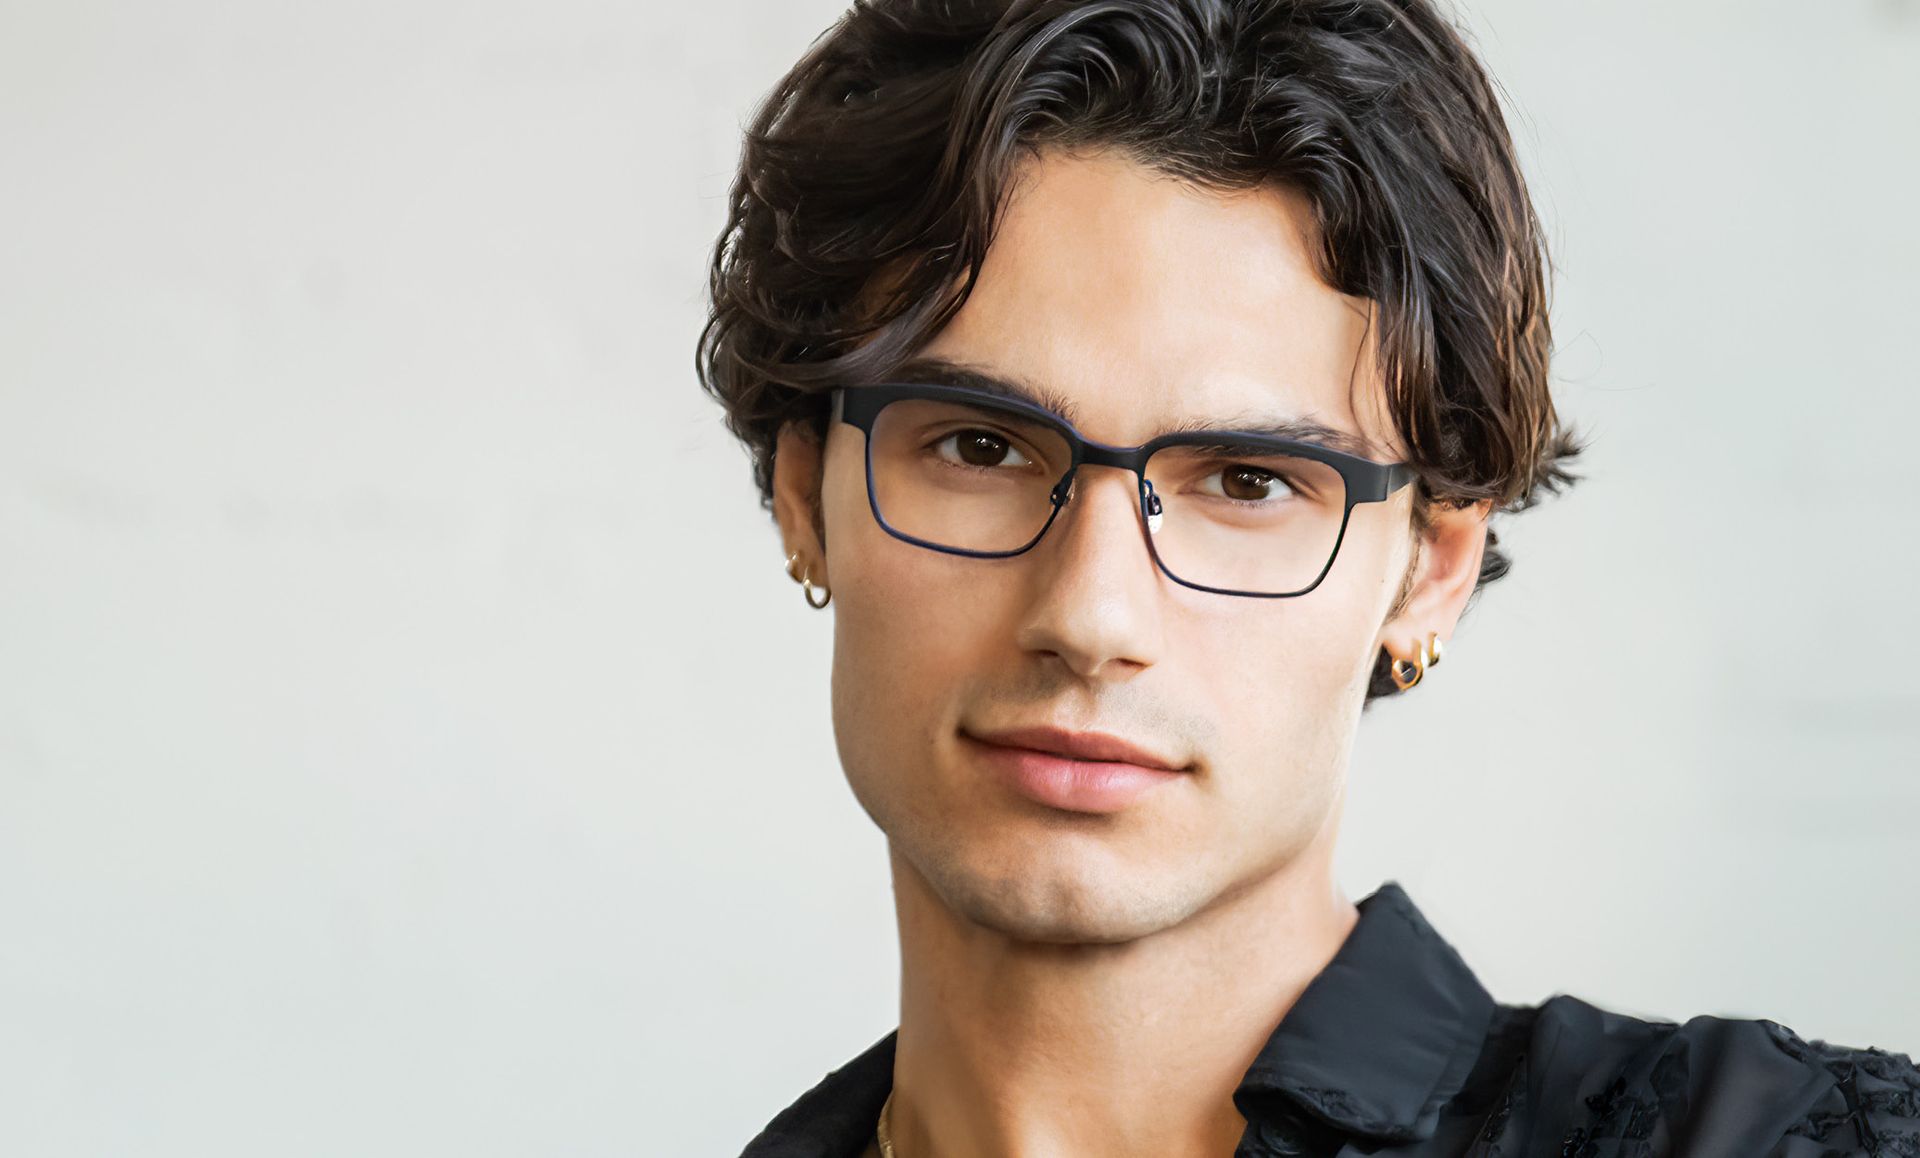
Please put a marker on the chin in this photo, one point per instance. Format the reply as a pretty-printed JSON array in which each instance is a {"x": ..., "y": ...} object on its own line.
[{"x": 1060, "y": 900}]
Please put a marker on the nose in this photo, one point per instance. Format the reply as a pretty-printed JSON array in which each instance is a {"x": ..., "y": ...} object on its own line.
[{"x": 1096, "y": 591}]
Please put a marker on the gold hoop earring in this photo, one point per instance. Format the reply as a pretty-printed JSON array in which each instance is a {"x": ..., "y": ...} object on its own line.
[
  {"x": 1405, "y": 674},
  {"x": 1433, "y": 646},
  {"x": 805, "y": 580}
]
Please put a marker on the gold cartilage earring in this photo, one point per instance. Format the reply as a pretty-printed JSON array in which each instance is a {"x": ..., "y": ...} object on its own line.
[{"x": 805, "y": 580}]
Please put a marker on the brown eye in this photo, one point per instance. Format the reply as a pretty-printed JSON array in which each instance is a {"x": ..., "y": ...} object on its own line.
[
  {"x": 982, "y": 448},
  {"x": 1251, "y": 484}
]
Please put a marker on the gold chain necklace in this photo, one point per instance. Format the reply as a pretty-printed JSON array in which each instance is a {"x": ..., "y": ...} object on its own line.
[{"x": 881, "y": 1133}]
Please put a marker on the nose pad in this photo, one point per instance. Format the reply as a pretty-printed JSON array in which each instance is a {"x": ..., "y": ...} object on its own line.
[{"x": 1062, "y": 491}]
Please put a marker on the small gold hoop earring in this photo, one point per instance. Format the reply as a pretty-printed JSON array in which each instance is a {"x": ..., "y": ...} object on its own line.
[
  {"x": 805, "y": 580},
  {"x": 1406, "y": 674}
]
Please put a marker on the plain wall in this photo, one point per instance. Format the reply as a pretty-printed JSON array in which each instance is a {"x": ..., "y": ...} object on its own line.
[{"x": 410, "y": 744}]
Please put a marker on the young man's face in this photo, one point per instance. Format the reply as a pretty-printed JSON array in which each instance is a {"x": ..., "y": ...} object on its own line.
[{"x": 1148, "y": 302}]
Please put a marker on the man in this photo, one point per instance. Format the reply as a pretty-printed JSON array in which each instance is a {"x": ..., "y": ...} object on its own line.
[{"x": 1135, "y": 380}]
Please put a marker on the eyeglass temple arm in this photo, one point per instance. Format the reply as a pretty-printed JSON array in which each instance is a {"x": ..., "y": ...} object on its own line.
[{"x": 1395, "y": 476}]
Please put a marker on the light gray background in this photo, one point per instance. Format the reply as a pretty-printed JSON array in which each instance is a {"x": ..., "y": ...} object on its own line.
[{"x": 409, "y": 743}]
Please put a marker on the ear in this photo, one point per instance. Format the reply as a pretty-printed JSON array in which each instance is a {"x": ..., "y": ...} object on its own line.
[
  {"x": 1445, "y": 571},
  {"x": 798, "y": 459}
]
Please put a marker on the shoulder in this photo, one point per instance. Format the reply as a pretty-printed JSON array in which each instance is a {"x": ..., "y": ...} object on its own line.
[
  {"x": 1872, "y": 1107},
  {"x": 1580, "y": 1080}
]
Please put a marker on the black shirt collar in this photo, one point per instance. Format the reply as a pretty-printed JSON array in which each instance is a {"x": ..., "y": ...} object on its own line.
[
  {"x": 1382, "y": 1037},
  {"x": 1377, "y": 1043}
]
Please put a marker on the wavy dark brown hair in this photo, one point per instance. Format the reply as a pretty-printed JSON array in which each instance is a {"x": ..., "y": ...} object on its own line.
[{"x": 872, "y": 176}]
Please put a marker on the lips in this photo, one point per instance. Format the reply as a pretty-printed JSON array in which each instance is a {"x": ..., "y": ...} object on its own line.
[
  {"x": 1075, "y": 772},
  {"x": 1097, "y": 747}
]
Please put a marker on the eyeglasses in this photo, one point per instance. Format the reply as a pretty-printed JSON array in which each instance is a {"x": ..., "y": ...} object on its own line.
[{"x": 964, "y": 471}]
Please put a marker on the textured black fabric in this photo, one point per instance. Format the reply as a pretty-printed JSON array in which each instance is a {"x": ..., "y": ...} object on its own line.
[{"x": 1396, "y": 1049}]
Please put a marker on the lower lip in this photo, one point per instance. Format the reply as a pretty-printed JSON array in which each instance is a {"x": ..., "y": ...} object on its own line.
[{"x": 1075, "y": 785}]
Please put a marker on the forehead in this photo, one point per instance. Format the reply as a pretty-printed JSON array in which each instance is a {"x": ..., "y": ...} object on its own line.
[{"x": 1150, "y": 302}]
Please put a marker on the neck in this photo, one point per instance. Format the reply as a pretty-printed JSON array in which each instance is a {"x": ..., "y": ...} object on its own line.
[{"x": 1014, "y": 1048}]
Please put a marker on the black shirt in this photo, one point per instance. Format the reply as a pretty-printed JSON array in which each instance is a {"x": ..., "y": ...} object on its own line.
[{"x": 1396, "y": 1049}]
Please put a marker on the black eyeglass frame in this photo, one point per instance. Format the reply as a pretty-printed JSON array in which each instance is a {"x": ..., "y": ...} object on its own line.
[{"x": 1365, "y": 480}]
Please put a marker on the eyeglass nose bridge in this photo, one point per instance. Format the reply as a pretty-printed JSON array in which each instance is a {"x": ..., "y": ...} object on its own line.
[{"x": 1120, "y": 458}]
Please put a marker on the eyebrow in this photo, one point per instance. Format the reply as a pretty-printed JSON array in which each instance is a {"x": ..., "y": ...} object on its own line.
[{"x": 933, "y": 370}]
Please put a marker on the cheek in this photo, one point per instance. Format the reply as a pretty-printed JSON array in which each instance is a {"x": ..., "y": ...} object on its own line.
[
  {"x": 1315, "y": 649},
  {"x": 1274, "y": 673},
  {"x": 1284, "y": 687},
  {"x": 911, "y": 626},
  {"x": 1283, "y": 680}
]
